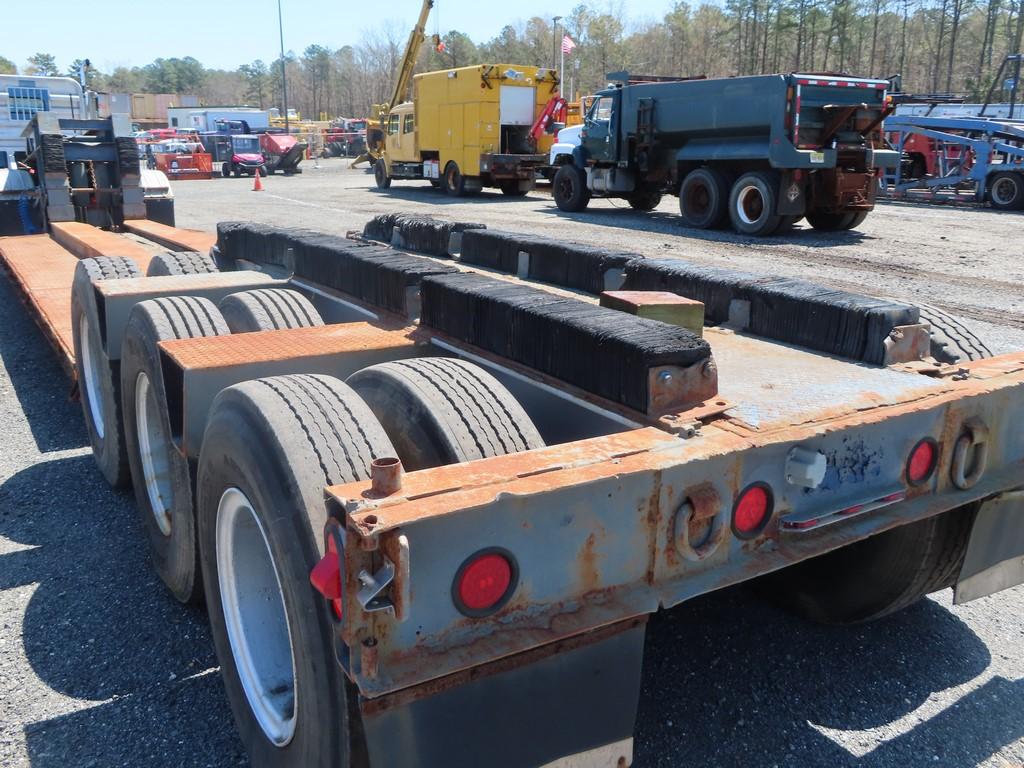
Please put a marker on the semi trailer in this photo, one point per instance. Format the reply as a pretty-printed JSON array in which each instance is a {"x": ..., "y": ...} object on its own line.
[
  {"x": 758, "y": 152},
  {"x": 422, "y": 503}
]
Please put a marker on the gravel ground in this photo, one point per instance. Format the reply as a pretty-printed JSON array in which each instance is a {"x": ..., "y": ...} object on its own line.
[{"x": 100, "y": 667}]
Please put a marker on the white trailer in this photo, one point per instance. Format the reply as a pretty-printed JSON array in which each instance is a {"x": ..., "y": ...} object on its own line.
[
  {"x": 22, "y": 96},
  {"x": 205, "y": 119}
]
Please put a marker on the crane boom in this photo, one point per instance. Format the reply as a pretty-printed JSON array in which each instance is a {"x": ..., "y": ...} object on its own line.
[{"x": 412, "y": 52}]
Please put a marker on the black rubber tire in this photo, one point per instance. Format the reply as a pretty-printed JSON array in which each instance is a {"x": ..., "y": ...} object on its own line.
[
  {"x": 1010, "y": 193},
  {"x": 453, "y": 181},
  {"x": 174, "y": 553},
  {"x": 510, "y": 188},
  {"x": 268, "y": 309},
  {"x": 181, "y": 263},
  {"x": 238, "y": 173},
  {"x": 704, "y": 198},
  {"x": 225, "y": 170},
  {"x": 569, "y": 188},
  {"x": 380, "y": 176},
  {"x": 878, "y": 576},
  {"x": 787, "y": 223},
  {"x": 106, "y": 438},
  {"x": 644, "y": 201},
  {"x": 830, "y": 222},
  {"x": 757, "y": 204},
  {"x": 281, "y": 441},
  {"x": 952, "y": 339},
  {"x": 856, "y": 219},
  {"x": 440, "y": 410}
]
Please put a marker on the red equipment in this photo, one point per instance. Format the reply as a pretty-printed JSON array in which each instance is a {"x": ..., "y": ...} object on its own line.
[{"x": 554, "y": 112}]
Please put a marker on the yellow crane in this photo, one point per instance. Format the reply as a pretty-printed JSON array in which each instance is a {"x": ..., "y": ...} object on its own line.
[{"x": 379, "y": 112}]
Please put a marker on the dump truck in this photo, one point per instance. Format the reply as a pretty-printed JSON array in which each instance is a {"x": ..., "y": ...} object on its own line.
[
  {"x": 468, "y": 128},
  {"x": 758, "y": 152},
  {"x": 419, "y": 500}
]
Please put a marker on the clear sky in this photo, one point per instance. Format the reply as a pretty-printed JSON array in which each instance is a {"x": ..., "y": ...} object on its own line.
[{"x": 223, "y": 34}]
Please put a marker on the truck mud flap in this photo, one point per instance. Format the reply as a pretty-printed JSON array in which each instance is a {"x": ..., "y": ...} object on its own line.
[
  {"x": 574, "y": 698},
  {"x": 995, "y": 551}
]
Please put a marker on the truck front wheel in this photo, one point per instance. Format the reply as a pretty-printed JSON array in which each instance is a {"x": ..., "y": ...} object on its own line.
[
  {"x": 704, "y": 199},
  {"x": 570, "y": 189},
  {"x": 877, "y": 576},
  {"x": 380, "y": 175},
  {"x": 753, "y": 202}
]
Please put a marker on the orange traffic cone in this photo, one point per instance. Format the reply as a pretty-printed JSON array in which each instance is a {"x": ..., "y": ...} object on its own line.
[{"x": 257, "y": 181}]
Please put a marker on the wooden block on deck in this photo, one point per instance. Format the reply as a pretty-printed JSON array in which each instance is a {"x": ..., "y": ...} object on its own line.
[
  {"x": 86, "y": 241},
  {"x": 173, "y": 238},
  {"x": 665, "y": 306}
]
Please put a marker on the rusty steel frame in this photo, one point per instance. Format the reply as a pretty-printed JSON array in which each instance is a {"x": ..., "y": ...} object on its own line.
[{"x": 593, "y": 523}]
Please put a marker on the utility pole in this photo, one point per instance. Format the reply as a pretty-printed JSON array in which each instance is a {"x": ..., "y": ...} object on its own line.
[
  {"x": 284, "y": 76},
  {"x": 554, "y": 41}
]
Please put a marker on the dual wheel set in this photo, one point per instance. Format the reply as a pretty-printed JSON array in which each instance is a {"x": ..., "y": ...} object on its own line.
[
  {"x": 711, "y": 198},
  {"x": 241, "y": 527}
]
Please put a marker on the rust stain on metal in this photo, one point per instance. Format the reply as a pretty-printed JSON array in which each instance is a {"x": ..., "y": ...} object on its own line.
[
  {"x": 287, "y": 344},
  {"x": 590, "y": 575},
  {"x": 172, "y": 237},
  {"x": 86, "y": 241}
]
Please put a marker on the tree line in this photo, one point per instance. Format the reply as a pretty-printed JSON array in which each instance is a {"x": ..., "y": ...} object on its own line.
[{"x": 938, "y": 46}]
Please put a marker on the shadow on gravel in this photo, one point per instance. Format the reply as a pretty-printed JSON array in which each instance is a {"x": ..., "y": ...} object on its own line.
[
  {"x": 40, "y": 383},
  {"x": 669, "y": 224},
  {"x": 424, "y": 193},
  {"x": 730, "y": 676},
  {"x": 100, "y": 626}
]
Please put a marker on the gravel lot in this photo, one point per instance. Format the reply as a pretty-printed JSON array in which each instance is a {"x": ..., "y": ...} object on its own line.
[{"x": 100, "y": 667}]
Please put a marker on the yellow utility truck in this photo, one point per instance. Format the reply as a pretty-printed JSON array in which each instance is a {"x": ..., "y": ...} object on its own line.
[{"x": 469, "y": 128}]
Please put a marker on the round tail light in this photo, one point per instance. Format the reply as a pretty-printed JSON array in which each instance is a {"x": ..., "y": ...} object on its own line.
[
  {"x": 752, "y": 510},
  {"x": 922, "y": 461},
  {"x": 485, "y": 582}
]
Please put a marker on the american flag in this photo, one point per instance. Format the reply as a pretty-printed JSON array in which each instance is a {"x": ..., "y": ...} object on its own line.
[{"x": 567, "y": 44}]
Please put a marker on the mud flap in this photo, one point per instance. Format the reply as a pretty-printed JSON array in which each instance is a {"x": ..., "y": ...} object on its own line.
[
  {"x": 792, "y": 195},
  {"x": 995, "y": 551},
  {"x": 575, "y": 699}
]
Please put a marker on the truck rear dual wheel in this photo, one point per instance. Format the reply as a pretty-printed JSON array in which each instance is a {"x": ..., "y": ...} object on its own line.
[
  {"x": 569, "y": 189},
  {"x": 453, "y": 181},
  {"x": 380, "y": 175},
  {"x": 98, "y": 378},
  {"x": 644, "y": 201},
  {"x": 878, "y": 576},
  {"x": 444, "y": 411},
  {"x": 160, "y": 471},
  {"x": 181, "y": 263},
  {"x": 753, "y": 202},
  {"x": 270, "y": 448},
  {"x": 704, "y": 198},
  {"x": 1006, "y": 190},
  {"x": 268, "y": 309}
]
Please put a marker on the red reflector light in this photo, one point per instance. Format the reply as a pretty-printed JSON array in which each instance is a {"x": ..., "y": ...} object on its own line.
[
  {"x": 485, "y": 582},
  {"x": 922, "y": 461},
  {"x": 326, "y": 577},
  {"x": 752, "y": 511}
]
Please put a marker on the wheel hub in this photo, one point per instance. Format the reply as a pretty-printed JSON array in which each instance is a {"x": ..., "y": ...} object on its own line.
[
  {"x": 91, "y": 373},
  {"x": 750, "y": 204},
  {"x": 154, "y": 453}
]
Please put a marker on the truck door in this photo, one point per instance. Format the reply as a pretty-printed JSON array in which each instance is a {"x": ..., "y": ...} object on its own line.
[{"x": 598, "y": 137}]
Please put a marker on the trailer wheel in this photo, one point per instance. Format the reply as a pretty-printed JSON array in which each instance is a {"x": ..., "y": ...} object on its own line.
[
  {"x": 181, "y": 263},
  {"x": 704, "y": 198},
  {"x": 878, "y": 576},
  {"x": 952, "y": 340},
  {"x": 268, "y": 309},
  {"x": 1006, "y": 190},
  {"x": 454, "y": 182},
  {"x": 160, "y": 472},
  {"x": 98, "y": 378},
  {"x": 270, "y": 448},
  {"x": 753, "y": 201},
  {"x": 380, "y": 175},
  {"x": 570, "y": 189},
  {"x": 440, "y": 410},
  {"x": 644, "y": 201}
]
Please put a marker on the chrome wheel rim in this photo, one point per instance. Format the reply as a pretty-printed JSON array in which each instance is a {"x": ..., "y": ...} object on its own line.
[
  {"x": 255, "y": 617},
  {"x": 749, "y": 204},
  {"x": 91, "y": 373},
  {"x": 154, "y": 453}
]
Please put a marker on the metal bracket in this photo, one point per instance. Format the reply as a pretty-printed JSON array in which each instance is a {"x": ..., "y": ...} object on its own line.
[
  {"x": 907, "y": 343},
  {"x": 370, "y": 595}
]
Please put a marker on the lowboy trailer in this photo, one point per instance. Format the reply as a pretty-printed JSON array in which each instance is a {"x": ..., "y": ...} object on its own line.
[{"x": 434, "y": 507}]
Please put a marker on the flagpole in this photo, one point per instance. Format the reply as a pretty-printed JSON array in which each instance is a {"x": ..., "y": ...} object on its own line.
[{"x": 561, "y": 68}]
